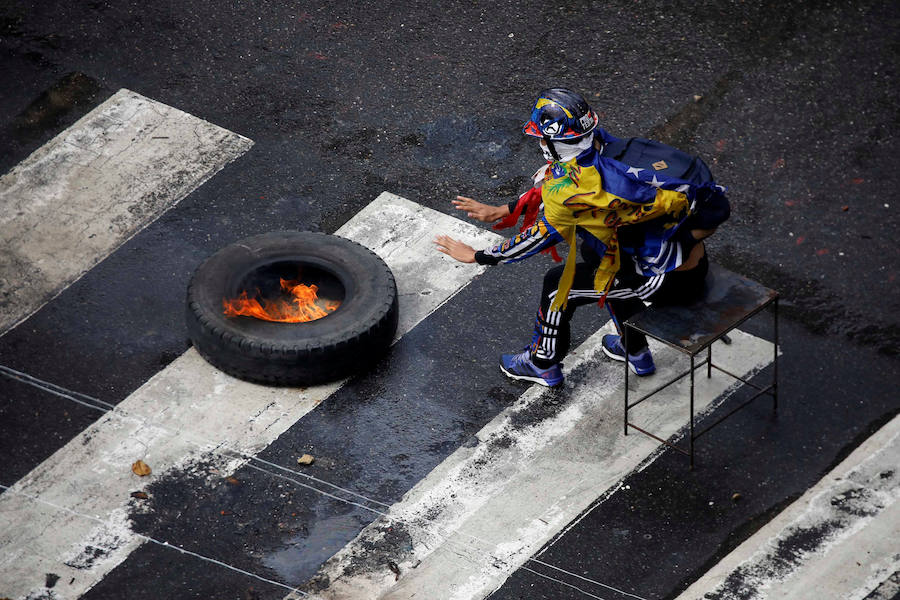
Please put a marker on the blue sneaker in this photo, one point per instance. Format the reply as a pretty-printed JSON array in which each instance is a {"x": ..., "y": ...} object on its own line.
[
  {"x": 640, "y": 363},
  {"x": 519, "y": 366}
]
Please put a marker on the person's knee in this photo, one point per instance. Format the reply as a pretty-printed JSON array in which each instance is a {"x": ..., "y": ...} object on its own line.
[
  {"x": 551, "y": 280},
  {"x": 554, "y": 275}
]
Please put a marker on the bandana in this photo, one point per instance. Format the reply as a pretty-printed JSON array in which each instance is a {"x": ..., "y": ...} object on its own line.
[{"x": 567, "y": 150}]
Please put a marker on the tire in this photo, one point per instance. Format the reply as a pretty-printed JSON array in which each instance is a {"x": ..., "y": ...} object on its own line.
[{"x": 296, "y": 354}]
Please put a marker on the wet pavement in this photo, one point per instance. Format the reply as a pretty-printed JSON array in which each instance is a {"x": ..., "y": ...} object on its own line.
[{"x": 792, "y": 104}]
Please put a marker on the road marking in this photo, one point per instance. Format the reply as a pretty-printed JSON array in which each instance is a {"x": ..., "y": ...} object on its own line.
[
  {"x": 401, "y": 233},
  {"x": 91, "y": 188},
  {"x": 839, "y": 540},
  {"x": 485, "y": 510},
  {"x": 92, "y": 473}
]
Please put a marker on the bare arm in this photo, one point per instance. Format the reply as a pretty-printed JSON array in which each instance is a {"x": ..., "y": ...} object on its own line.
[
  {"x": 480, "y": 211},
  {"x": 702, "y": 234},
  {"x": 455, "y": 249},
  {"x": 535, "y": 239}
]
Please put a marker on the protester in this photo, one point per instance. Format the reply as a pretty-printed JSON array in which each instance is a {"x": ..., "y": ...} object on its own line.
[{"x": 641, "y": 236}]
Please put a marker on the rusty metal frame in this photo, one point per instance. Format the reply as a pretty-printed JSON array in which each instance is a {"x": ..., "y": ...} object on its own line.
[{"x": 771, "y": 389}]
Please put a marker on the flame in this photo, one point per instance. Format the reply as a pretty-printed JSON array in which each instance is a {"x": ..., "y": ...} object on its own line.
[{"x": 304, "y": 305}]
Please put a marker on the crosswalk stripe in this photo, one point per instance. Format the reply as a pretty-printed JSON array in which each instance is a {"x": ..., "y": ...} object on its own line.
[
  {"x": 227, "y": 419},
  {"x": 486, "y": 510},
  {"x": 838, "y": 541},
  {"x": 94, "y": 186}
]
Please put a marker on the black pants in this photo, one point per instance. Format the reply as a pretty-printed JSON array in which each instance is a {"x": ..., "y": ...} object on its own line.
[{"x": 551, "y": 338}]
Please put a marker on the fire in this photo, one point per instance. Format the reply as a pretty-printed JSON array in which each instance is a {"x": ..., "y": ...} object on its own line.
[{"x": 300, "y": 304}]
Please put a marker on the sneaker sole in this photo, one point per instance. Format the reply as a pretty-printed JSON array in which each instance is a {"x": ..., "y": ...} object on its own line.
[
  {"x": 537, "y": 380},
  {"x": 621, "y": 358},
  {"x": 612, "y": 355}
]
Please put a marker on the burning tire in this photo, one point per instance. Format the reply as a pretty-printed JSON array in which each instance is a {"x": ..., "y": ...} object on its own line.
[{"x": 292, "y": 308}]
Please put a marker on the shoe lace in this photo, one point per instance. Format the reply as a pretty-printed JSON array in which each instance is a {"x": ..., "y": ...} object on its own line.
[{"x": 520, "y": 359}]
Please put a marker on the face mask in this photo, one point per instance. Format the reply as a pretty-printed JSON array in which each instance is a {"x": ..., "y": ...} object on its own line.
[
  {"x": 567, "y": 151},
  {"x": 546, "y": 152}
]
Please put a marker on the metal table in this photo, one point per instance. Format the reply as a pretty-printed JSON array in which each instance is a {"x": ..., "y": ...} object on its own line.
[{"x": 728, "y": 301}]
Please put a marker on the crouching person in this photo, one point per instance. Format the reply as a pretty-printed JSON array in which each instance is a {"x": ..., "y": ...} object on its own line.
[{"x": 641, "y": 236}]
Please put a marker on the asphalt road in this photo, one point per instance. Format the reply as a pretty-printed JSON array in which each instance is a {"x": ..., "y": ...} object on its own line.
[{"x": 793, "y": 104}]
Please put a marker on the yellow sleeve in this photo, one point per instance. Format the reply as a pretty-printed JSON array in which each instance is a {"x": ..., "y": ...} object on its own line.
[{"x": 666, "y": 202}]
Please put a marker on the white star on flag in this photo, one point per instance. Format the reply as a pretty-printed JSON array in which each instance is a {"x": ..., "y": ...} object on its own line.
[
  {"x": 683, "y": 188},
  {"x": 656, "y": 182},
  {"x": 634, "y": 171}
]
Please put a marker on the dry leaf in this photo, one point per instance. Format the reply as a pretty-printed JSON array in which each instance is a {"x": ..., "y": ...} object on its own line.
[
  {"x": 140, "y": 468},
  {"x": 394, "y": 569},
  {"x": 306, "y": 459},
  {"x": 232, "y": 480},
  {"x": 139, "y": 495}
]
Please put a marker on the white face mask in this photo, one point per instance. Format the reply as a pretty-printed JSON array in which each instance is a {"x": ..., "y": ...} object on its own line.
[
  {"x": 546, "y": 151},
  {"x": 567, "y": 151}
]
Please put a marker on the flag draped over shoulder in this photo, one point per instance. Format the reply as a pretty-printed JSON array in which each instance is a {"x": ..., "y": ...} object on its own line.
[
  {"x": 595, "y": 195},
  {"x": 591, "y": 195}
]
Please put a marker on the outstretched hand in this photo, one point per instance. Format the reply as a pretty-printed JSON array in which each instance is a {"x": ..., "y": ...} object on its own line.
[
  {"x": 480, "y": 211},
  {"x": 455, "y": 249}
]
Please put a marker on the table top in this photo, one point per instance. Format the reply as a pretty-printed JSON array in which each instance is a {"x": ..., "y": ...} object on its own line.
[{"x": 728, "y": 300}]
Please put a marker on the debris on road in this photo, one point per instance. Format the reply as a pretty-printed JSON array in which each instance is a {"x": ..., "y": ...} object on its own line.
[
  {"x": 140, "y": 468},
  {"x": 306, "y": 459},
  {"x": 394, "y": 569}
]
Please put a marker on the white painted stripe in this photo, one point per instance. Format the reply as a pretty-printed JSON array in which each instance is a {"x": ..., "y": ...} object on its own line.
[
  {"x": 486, "y": 510},
  {"x": 838, "y": 541},
  {"x": 91, "y": 188},
  {"x": 402, "y": 233},
  {"x": 187, "y": 411}
]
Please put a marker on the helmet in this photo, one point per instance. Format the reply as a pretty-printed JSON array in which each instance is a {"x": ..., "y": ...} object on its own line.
[{"x": 560, "y": 114}]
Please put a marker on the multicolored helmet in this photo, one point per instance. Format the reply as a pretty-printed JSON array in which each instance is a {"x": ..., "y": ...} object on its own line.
[{"x": 560, "y": 114}]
